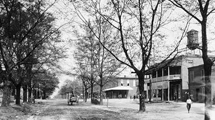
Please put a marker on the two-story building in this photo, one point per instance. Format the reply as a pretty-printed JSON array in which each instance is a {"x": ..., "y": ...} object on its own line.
[{"x": 170, "y": 79}]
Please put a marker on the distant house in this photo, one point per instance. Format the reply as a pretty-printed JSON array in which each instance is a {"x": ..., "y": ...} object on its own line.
[
  {"x": 127, "y": 87},
  {"x": 197, "y": 83},
  {"x": 169, "y": 80}
]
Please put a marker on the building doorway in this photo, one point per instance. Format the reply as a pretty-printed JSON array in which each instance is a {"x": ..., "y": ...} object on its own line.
[{"x": 175, "y": 90}]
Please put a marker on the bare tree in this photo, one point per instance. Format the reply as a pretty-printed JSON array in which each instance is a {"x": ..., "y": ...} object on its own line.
[
  {"x": 136, "y": 28},
  {"x": 107, "y": 66},
  {"x": 135, "y": 40},
  {"x": 85, "y": 56},
  {"x": 104, "y": 65},
  {"x": 204, "y": 8}
]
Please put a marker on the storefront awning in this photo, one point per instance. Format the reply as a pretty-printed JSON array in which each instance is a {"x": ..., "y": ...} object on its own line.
[{"x": 119, "y": 88}]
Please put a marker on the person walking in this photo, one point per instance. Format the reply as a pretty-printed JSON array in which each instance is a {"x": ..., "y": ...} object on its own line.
[{"x": 189, "y": 102}]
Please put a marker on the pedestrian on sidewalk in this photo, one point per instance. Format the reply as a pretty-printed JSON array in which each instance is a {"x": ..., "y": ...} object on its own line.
[{"x": 189, "y": 102}]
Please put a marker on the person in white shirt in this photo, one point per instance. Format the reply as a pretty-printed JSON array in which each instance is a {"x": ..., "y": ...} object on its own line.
[{"x": 189, "y": 102}]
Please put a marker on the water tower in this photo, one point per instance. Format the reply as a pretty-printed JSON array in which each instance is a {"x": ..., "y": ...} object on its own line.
[{"x": 192, "y": 39}]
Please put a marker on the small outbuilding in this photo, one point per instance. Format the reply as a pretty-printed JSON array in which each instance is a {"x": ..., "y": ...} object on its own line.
[{"x": 118, "y": 92}]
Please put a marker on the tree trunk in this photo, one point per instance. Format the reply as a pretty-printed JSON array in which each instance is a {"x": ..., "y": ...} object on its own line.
[
  {"x": 207, "y": 68},
  {"x": 6, "y": 94},
  {"x": 150, "y": 91},
  {"x": 91, "y": 88},
  {"x": 142, "y": 106},
  {"x": 44, "y": 94},
  {"x": 100, "y": 93},
  {"x": 25, "y": 92},
  {"x": 18, "y": 87},
  {"x": 85, "y": 94},
  {"x": 29, "y": 94},
  {"x": 208, "y": 101}
]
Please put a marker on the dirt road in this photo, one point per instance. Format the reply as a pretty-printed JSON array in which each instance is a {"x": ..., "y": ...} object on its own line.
[
  {"x": 59, "y": 110},
  {"x": 123, "y": 109}
]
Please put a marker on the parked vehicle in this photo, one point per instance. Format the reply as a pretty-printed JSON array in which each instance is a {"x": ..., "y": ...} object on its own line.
[{"x": 73, "y": 99}]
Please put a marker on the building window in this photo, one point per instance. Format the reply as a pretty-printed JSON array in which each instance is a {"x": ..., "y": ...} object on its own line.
[
  {"x": 134, "y": 83},
  {"x": 175, "y": 70},
  {"x": 160, "y": 73},
  {"x": 137, "y": 83},
  {"x": 154, "y": 74},
  {"x": 165, "y": 71},
  {"x": 203, "y": 74},
  {"x": 191, "y": 75},
  {"x": 147, "y": 76}
]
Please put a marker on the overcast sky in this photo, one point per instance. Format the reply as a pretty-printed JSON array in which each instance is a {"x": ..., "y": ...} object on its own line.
[{"x": 63, "y": 12}]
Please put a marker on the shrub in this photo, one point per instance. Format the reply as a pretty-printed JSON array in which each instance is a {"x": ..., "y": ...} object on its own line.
[
  {"x": 26, "y": 108},
  {"x": 95, "y": 101}
]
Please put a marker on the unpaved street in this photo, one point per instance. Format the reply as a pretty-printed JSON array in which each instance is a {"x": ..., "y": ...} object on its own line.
[
  {"x": 59, "y": 110},
  {"x": 114, "y": 109}
]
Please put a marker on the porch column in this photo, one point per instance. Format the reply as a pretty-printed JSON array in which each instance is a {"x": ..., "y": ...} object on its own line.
[
  {"x": 157, "y": 85},
  {"x": 162, "y": 92},
  {"x": 168, "y": 84}
]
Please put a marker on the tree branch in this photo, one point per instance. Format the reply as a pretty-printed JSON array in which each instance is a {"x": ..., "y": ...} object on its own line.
[{"x": 177, "y": 4}]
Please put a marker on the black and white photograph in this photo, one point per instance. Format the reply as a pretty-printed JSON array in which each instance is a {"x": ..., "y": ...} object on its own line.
[{"x": 107, "y": 60}]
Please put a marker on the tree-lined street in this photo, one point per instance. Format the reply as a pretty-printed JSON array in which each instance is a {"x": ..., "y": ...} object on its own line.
[
  {"x": 98, "y": 41},
  {"x": 125, "y": 109}
]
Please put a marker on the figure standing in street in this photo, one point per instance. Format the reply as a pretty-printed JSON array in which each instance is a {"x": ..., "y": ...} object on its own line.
[{"x": 189, "y": 102}]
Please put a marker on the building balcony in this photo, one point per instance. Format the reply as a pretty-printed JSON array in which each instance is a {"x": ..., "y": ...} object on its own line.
[
  {"x": 165, "y": 78},
  {"x": 175, "y": 77}
]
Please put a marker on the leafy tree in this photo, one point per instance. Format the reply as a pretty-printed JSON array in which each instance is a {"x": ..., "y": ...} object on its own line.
[
  {"x": 19, "y": 21},
  {"x": 85, "y": 78},
  {"x": 47, "y": 82},
  {"x": 74, "y": 87},
  {"x": 45, "y": 56}
]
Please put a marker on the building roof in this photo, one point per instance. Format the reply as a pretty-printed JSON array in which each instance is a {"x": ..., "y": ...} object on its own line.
[
  {"x": 170, "y": 62},
  {"x": 198, "y": 66},
  {"x": 127, "y": 78},
  {"x": 119, "y": 88}
]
